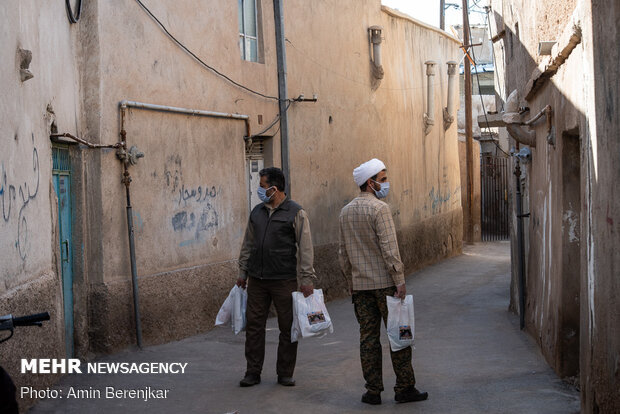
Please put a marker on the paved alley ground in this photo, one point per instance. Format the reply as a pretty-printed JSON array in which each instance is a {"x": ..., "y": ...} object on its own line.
[{"x": 470, "y": 356}]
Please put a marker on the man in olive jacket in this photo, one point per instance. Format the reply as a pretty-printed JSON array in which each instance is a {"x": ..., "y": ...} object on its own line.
[{"x": 276, "y": 255}]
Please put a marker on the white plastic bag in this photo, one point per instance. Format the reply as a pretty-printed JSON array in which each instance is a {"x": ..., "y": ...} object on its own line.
[
  {"x": 233, "y": 310},
  {"x": 310, "y": 316},
  {"x": 401, "y": 322}
]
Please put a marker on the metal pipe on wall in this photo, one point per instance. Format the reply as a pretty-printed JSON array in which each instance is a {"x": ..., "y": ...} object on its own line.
[
  {"x": 278, "y": 15},
  {"x": 520, "y": 245},
  {"x": 134, "y": 268},
  {"x": 84, "y": 142},
  {"x": 200, "y": 112},
  {"x": 123, "y": 156},
  {"x": 130, "y": 157}
]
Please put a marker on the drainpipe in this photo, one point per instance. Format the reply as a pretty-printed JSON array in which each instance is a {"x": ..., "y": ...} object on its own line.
[
  {"x": 278, "y": 15},
  {"x": 520, "y": 246},
  {"x": 374, "y": 35},
  {"x": 448, "y": 111},
  {"x": 131, "y": 157},
  {"x": 375, "y": 39},
  {"x": 429, "y": 117},
  {"x": 511, "y": 119}
]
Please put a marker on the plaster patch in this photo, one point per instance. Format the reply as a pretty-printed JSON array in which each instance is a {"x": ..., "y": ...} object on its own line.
[{"x": 571, "y": 220}]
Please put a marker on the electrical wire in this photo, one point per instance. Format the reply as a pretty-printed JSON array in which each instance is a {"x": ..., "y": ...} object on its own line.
[
  {"x": 274, "y": 132},
  {"x": 473, "y": 54},
  {"x": 277, "y": 118},
  {"x": 73, "y": 18},
  {"x": 182, "y": 46},
  {"x": 476, "y": 4}
]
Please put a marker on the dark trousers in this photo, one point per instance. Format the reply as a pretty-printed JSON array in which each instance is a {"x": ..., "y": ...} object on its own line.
[
  {"x": 370, "y": 307},
  {"x": 8, "y": 402},
  {"x": 261, "y": 293}
]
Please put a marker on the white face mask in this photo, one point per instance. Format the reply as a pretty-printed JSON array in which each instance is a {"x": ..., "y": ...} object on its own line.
[
  {"x": 383, "y": 192},
  {"x": 262, "y": 194}
]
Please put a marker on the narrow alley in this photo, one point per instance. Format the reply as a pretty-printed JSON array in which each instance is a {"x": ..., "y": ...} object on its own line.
[{"x": 470, "y": 356}]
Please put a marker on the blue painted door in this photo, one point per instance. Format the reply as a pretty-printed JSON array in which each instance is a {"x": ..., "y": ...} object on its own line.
[{"x": 62, "y": 185}]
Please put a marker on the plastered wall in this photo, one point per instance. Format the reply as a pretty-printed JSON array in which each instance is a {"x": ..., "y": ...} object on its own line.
[
  {"x": 189, "y": 193},
  {"x": 29, "y": 276},
  {"x": 570, "y": 191}
]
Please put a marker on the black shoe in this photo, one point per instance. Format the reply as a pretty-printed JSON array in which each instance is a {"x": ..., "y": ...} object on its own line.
[
  {"x": 410, "y": 395},
  {"x": 249, "y": 380},
  {"x": 374, "y": 399},
  {"x": 286, "y": 381}
]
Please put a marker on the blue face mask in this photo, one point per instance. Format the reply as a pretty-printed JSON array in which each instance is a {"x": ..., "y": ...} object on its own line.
[
  {"x": 262, "y": 194},
  {"x": 385, "y": 189}
]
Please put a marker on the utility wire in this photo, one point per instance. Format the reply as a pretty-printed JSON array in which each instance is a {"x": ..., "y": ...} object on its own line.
[
  {"x": 182, "y": 46},
  {"x": 73, "y": 17},
  {"x": 476, "y": 4},
  {"x": 276, "y": 119},
  {"x": 480, "y": 92}
]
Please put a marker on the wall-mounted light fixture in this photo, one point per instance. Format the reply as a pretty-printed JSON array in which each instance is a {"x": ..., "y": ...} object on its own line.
[
  {"x": 448, "y": 111},
  {"x": 429, "y": 118},
  {"x": 374, "y": 35}
]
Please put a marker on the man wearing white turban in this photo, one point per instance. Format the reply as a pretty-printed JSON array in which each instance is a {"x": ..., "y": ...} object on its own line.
[{"x": 370, "y": 261}]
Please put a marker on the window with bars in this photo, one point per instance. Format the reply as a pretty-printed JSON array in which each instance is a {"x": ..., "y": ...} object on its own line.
[
  {"x": 248, "y": 30},
  {"x": 60, "y": 159}
]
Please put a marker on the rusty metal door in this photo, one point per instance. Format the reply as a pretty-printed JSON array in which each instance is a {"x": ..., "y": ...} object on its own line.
[{"x": 494, "y": 208}]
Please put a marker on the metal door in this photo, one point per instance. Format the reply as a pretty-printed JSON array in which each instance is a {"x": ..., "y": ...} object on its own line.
[
  {"x": 62, "y": 185},
  {"x": 494, "y": 209}
]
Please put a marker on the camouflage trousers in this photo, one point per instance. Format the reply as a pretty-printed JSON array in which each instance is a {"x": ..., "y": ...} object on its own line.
[{"x": 370, "y": 307}]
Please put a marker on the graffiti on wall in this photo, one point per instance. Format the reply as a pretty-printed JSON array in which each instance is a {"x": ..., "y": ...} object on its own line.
[
  {"x": 15, "y": 198},
  {"x": 194, "y": 206},
  {"x": 438, "y": 199},
  {"x": 197, "y": 194}
]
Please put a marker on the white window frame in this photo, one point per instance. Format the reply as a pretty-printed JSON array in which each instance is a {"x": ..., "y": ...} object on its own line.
[{"x": 243, "y": 37}]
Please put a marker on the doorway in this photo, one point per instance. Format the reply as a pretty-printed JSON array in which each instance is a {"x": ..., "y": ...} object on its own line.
[
  {"x": 61, "y": 174},
  {"x": 258, "y": 155},
  {"x": 571, "y": 253},
  {"x": 495, "y": 208}
]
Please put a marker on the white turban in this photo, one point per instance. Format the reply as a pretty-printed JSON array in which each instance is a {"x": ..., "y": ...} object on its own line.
[{"x": 367, "y": 170}]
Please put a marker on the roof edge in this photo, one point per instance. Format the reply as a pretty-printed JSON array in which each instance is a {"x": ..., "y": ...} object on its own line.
[{"x": 395, "y": 13}]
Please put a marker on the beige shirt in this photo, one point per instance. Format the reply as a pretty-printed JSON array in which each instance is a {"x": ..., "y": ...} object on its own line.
[
  {"x": 368, "y": 249},
  {"x": 305, "y": 250}
]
